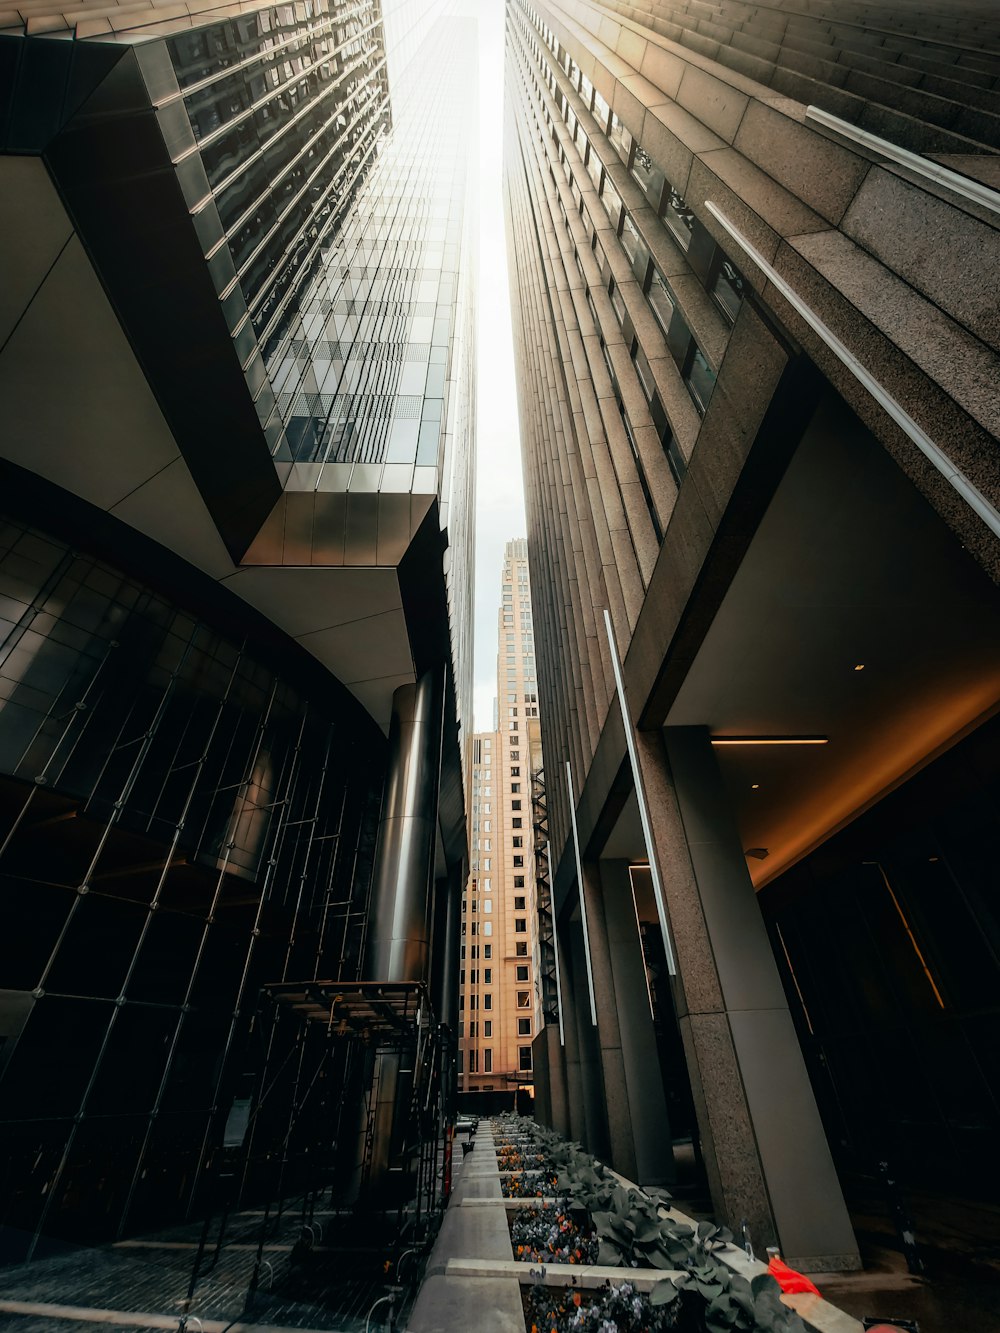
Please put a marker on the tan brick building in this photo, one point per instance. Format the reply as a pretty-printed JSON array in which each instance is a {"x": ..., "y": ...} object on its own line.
[{"x": 500, "y": 1006}]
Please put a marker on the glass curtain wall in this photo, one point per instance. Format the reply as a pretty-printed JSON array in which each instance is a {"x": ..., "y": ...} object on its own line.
[{"x": 180, "y": 826}]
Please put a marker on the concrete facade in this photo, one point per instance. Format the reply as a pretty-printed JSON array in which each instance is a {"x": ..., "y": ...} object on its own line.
[{"x": 756, "y": 384}]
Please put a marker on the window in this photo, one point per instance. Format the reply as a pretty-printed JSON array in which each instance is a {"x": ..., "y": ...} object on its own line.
[
  {"x": 516, "y": 772},
  {"x": 518, "y": 863},
  {"x": 522, "y": 972},
  {"x": 474, "y": 1061},
  {"x": 487, "y": 1027},
  {"x": 461, "y": 976},
  {"x": 517, "y": 823},
  {"x": 699, "y": 377},
  {"x": 487, "y": 928},
  {"x": 523, "y": 1058},
  {"x": 515, "y": 787},
  {"x": 524, "y": 999},
  {"x": 661, "y": 298},
  {"x": 488, "y": 1000},
  {"x": 488, "y": 1061},
  {"x": 473, "y": 1027},
  {"x": 520, "y": 925},
  {"x": 620, "y": 137},
  {"x": 727, "y": 286},
  {"x": 517, "y": 842},
  {"x": 461, "y": 1062},
  {"x": 520, "y": 948},
  {"x": 474, "y": 976},
  {"x": 487, "y": 904},
  {"x": 473, "y": 1002},
  {"x": 475, "y": 951},
  {"x": 515, "y": 754},
  {"x": 518, "y": 881},
  {"x": 515, "y": 805},
  {"x": 679, "y": 219},
  {"x": 648, "y": 175},
  {"x": 524, "y": 1027},
  {"x": 519, "y": 904},
  {"x": 487, "y": 951},
  {"x": 488, "y": 976},
  {"x": 512, "y": 726}
]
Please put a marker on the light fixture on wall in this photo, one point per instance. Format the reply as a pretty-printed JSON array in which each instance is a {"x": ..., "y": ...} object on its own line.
[{"x": 770, "y": 740}]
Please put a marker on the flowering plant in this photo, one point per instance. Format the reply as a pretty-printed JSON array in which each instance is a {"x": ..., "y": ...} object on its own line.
[
  {"x": 620, "y": 1309},
  {"x": 528, "y": 1185},
  {"x": 548, "y": 1235}
]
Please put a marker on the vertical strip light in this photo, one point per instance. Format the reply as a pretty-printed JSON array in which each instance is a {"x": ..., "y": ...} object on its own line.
[
  {"x": 555, "y": 950},
  {"x": 579, "y": 884},
  {"x": 640, "y": 797}
]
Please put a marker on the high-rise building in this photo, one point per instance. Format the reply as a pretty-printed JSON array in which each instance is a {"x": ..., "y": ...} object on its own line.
[
  {"x": 500, "y": 977},
  {"x": 754, "y": 261},
  {"x": 236, "y": 359}
]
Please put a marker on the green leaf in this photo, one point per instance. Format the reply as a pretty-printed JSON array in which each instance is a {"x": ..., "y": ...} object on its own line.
[
  {"x": 609, "y": 1255},
  {"x": 660, "y": 1260},
  {"x": 664, "y": 1293}
]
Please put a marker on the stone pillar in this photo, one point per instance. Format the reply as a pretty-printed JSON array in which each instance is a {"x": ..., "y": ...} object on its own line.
[
  {"x": 618, "y": 1108},
  {"x": 555, "y": 1060},
  {"x": 597, "y": 1139},
  {"x": 765, "y": 1150},
  {"x": 575, "y": 1121},
  {"x": 643, "y": 1081}
]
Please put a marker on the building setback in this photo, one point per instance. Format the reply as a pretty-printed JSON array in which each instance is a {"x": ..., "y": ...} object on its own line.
[
  {"x": 754, "y": 264},
  {"x": 500, "y": 962},
  {"x": 236, "y": 553}
]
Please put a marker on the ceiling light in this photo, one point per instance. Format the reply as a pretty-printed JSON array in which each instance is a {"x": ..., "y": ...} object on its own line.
[
  {"x": 860, "y": 666},
  {"x": 770, "y": 740},
  {"x": 754, "y": 786}
]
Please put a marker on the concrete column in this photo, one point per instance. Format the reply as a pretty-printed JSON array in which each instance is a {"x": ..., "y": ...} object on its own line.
[
  {"x": 597, "y": 1139},
  {"x": 575, "y": 1120},
  {"x": 618, "y": 1106},
  {"x": 643, "y": 1080},
  {"x": 556, "y": 1063},
  {"x": 540, "y": 1078},
  {"x": 765, "y": 1150}
]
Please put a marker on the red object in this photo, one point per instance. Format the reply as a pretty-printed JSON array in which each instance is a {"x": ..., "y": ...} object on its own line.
[{"x": 787, "y": 1278}]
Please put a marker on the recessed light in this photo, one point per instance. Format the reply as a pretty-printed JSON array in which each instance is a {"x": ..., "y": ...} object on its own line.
[
  {"x": 754, "y": 786},
  {"x": 769, "y": 740},
  {"x": 860, "y": 666}
]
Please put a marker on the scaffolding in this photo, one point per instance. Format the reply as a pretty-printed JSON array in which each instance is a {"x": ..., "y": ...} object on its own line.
[{"x": 301, "y": 1145}]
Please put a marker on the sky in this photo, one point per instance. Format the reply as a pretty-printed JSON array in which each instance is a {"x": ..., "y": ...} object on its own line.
[{"x": 500, "y": 496}]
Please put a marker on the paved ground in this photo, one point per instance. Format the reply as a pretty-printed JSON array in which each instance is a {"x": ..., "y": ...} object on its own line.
[
  {"x": 332, "y": 1288},
  {"x": 959, "y": 1242}
]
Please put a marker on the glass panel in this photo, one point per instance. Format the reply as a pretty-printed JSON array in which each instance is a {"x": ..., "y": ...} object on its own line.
[
  {"x": 661, "y": 298},
  {"x": 648, "y": 175},
  {"x": 700, "y": 378},
  {"x": 678, "y": 218}
]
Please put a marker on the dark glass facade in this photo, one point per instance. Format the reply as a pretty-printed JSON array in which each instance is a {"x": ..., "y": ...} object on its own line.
[{"x": 181, "y": 825}]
